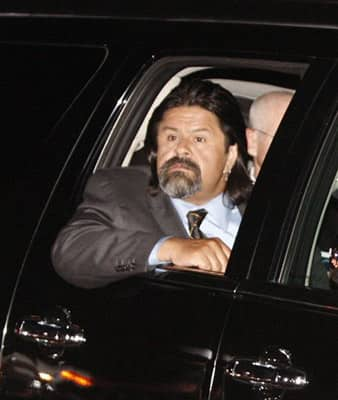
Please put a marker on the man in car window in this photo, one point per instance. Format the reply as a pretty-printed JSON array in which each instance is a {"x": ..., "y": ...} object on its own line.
[
  {"x": 184, "y": 212},
  {"x": 265, "y": 115}
]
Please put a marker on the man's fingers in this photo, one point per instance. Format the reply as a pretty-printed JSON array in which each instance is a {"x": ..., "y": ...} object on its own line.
[
  {"x": 219, "y": 255},
  {"x": 212, "y": 255},
  {"x": 207, "y": 254}
]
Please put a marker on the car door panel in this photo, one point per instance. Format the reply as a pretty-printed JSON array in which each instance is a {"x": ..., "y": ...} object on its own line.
[
  {"x": 261, "y": 323},
  {"x": 276, "y": 310},
  {"x": 154, "y": 337}
]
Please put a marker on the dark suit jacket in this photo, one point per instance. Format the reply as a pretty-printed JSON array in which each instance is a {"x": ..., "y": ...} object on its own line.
[{"x": 114, "y": 229}]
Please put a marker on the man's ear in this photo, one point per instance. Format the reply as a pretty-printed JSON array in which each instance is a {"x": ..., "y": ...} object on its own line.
[
  {"x": 232, "y": 157},
  {"x": 251, "y": 141}
]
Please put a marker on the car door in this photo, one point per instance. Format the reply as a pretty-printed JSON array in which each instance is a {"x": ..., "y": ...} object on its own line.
[
  {"x": 281, "y": 336},
  {"x": 153, "y": 336},
  {"x": 156, "y": 336}
]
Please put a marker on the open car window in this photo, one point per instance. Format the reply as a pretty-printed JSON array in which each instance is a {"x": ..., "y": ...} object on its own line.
[
  {"x": 245, "y": 92},
  {"x": 245, "y": 78}
]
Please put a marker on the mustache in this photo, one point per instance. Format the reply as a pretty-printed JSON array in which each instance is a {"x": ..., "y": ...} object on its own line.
[{"x": 186, "y": 162}]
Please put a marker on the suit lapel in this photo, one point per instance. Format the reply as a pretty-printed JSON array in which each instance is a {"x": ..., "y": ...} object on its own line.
[{"x": 166, "y": 216}]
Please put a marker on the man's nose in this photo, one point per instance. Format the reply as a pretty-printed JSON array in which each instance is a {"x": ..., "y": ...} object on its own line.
[{"x": 183, "y": 147}]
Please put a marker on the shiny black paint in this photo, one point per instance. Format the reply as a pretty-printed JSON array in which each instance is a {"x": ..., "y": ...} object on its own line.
[
  {"x": 280, "y": 11},
  {"x": 306, "y": 330}
]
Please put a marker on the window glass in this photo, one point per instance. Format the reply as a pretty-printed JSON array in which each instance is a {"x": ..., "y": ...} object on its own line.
[
  {"x": 37, "y": 85},
  {"x": 323, "y": 271}
]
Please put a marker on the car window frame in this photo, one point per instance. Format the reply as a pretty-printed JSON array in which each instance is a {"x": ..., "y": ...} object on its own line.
[
  {"x": 266, "y": 277},
  {"x": 133, "y": 114}
]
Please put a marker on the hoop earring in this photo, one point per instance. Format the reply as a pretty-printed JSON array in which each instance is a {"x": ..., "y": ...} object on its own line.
[{"x": 226, "y": 174}]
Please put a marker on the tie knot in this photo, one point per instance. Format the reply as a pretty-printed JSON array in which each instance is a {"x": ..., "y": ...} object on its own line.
[{"x": 195, "y": 219}]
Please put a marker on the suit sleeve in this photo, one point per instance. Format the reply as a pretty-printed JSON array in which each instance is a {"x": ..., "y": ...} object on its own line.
[{"x": 109, "y": 238}]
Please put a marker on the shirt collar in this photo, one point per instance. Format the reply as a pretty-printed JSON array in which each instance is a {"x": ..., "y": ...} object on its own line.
[
  {"x": 216, "y": 207},
  {"x": 218, "y": 202}
]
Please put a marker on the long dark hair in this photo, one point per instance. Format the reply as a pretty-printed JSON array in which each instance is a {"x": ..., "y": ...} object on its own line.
[{"x": 219, "y": 101}]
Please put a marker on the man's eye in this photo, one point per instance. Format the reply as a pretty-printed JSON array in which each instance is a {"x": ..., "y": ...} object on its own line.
[
  {"x": 200, "y": 139},
  {"x": 171, "y": 138}
]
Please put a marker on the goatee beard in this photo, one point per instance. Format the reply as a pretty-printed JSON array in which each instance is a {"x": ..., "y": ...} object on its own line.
[{"x": 180, "y": 184}]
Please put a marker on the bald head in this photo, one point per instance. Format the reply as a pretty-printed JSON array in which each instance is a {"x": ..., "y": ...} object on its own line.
[
  {"x": 267, "y": 110},
  {"x": 265, "y": 115}
]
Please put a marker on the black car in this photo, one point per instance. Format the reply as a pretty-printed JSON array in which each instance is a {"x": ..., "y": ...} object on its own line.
[{"x": 77, "y": 89}]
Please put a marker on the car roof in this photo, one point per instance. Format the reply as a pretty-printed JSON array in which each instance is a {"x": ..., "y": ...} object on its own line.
[{"x": 322, "y": 13}]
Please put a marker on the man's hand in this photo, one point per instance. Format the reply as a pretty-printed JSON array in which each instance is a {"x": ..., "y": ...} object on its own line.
[{"x": 206, "y": 254}]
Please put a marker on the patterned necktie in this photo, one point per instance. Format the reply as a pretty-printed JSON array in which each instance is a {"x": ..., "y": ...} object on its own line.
[{"x": 195, "y": 219}]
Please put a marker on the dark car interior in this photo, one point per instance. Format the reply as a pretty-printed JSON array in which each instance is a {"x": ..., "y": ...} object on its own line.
[{"x": 246, "y": 79}]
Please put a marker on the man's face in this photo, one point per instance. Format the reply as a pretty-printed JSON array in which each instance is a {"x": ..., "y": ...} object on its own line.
[
  {"x": 191, "y": 155},
  {"x": 264, "y": 140},
  {"x": 259, "y": 137}
]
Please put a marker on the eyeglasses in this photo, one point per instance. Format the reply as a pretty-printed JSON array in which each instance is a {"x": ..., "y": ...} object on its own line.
[{"x": 263, "y": 132}]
